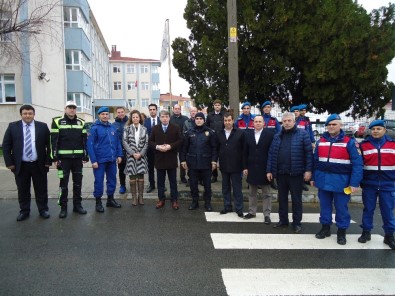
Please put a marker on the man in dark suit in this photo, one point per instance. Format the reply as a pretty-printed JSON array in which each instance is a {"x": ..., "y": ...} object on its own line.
[
  {"x": 166, "y": 139},
  {"x": 26, "y": 150},
  {"x": 230, "y": 152},
  {"x": 256, "y": 149},
  {"x": 149, "y": 123}
]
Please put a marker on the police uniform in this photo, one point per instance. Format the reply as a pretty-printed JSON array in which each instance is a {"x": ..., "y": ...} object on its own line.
[
  {"x": 303, "y": 122},
  {"x": 378, "y": 181},
  {"x": 68, "y": 148},
  {"x": 245, "y": 122},
  {"x": 271, "y": 122}
]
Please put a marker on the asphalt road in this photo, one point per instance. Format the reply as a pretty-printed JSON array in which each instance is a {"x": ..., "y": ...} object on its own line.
[{"x": 144, "y": 251}]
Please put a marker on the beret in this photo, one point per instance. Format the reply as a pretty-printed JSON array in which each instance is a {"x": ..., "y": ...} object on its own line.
[
  {"x": 294, "y": 108},
  {"x": 266, "y": 103},
  {"x": 103, "y": 109},
  {"x": 331, "y": 118},
  {"x": 303, "y": 106},
  {"x": 245, "y": 104},
  {"x": 378, "y": 122}
]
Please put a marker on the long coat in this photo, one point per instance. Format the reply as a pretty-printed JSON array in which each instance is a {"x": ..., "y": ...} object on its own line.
[
  {"x": 168, "y": 159},
  {"x": 230, "y": 151},
  {"x": 135, "y": 166},
  {"x": 256, "y": 156}
]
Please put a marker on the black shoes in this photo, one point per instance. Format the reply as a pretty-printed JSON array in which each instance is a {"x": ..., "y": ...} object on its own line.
[
  {"x": 390, "y": 241},
  {"x": 208, "y": 207},
  {"x": 225, "y": 211},
  {"x": 45, "y": 214},
  {"x": 297, "y": 228},
  {"x": 324, "y": 232},
  {"x": 99, "y": 206},
  {"x": 365, "y": 237},
  {"x": 280, "y": 225},
  {"x": 150, "y": 189},
  {"x": 341, "y": 236},
  {"x": 214, "y": 179},
  {"x": 193, "y": 206},
  {"x": 249, "y": 216},
  {"x": 22, "y": 216},
  {"x": 240, "y": 214},
  {"x": 79, "y": 209},
  {"x": 111, "y": 203},
  {"x": 267, "y": 220},
  {"x": 63, "y": 213}
]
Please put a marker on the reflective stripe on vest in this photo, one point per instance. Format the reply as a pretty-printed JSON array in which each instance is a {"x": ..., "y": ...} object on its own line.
[
  {"x": 378, "y": 159},
  {"x": 302, "y": 124},
  {"x": 71, "y": 126},
  {"x": 334, "y": 152},
  {"x": 70, "y": 151},
  {"x": 242, "y": 125}
]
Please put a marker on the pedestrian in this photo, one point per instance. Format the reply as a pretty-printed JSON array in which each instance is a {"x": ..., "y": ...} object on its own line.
[
  {"x": 149, "y": 124},
  {"x": 135, "y": 142},
  {"x": 303, "y": 122},
  {"x": 270, "y": 121},
  {"x": 378, "y": 152},
  {"x": 68, "y": 150},
  {"x": 230, "y": 142},
  {"x": 199, "y": 156},
  {"x": 337, "y": 165},
  {"x": 291, "y": 162},
  {"x": 105, "y": 152},
  {"x": 190, "y": 123},
  {"x": 255, "y": 157},
  {"x": 119, "y": 124},
  {"x": 295, "y": 110},
  {"x": 245, "y": 120},
  {"x": 179, "y": 119},
  {"x": 166, "y": 139},
  {"x": 215, "y": 121},
  {"x": 26, "y": 151}
]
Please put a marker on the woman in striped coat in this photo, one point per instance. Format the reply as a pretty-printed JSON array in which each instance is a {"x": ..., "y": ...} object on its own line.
[{"x": 135, "y": 142}]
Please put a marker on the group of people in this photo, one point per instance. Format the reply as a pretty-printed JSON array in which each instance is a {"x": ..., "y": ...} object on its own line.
[{"x": 254, "y": 146}]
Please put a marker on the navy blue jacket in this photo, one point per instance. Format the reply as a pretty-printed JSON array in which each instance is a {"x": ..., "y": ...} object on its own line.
[
  {"x": 301, "y": 153},
  {"x": 119, "y": 124},
  {"x": 199, "y": 148}
]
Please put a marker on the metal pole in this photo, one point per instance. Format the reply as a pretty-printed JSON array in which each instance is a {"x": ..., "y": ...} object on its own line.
[
  {"x": 233, "y": 65},
  {"x": 168, "y": 54}
]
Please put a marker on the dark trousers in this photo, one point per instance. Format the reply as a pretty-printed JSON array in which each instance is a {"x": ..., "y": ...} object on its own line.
[
  {"x": 65, "y": 166},
  {"x": 151, "y": 167},
  {"x": 182, "y": 170},
  {"x": 294, "y": 185},
  {"x": 194, "y": 177},
  {"x": 215, "y": 173},
  {"x": 121, "y": 169},
  {"x": 229, "y": 181},
  {"x": 172, "y": 175},
  {"x": 31, "y": 172}
]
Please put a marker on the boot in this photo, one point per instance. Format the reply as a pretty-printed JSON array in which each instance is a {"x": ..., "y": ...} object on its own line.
[
  {"x": 111, "y": 203},
  {"x": 140, "y": 184},
  {"x": 364, "y": 237},
  {"x": 341, "y": 236},
  {"x": 63, "y": 213},
  {"x": 133, "y": 191},
  {"x": 99, "y": 206},
  {"x": 324, "y": 232},
  {"x": 390, "y": 241},
  {"x": 194, "y": 205}
]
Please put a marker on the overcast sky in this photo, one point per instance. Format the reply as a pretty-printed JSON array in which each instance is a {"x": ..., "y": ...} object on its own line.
[{"x": 136, "y": 28}]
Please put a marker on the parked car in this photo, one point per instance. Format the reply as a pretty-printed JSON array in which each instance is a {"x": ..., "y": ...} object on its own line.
[
  {"x": 349, "y": 128},
  {"x": 390, "y": 126},
  {"x": 361, "y": 129}
]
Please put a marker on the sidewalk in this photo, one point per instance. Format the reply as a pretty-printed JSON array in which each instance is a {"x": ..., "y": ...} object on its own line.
[{"x": 8, "y": 187}]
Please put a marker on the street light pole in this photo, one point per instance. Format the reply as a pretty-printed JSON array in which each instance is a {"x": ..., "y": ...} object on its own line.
[{"x": 233, "y": 63}]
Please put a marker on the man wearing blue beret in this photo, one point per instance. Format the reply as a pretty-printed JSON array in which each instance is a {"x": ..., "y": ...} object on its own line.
[
  {"x": 271, "y": 122},
  {"x": 303, "y": 122},
  {"x": 245, "y": 120},
  {"x": 378, "y": 152},
  {"x": 337, "y": 165},
  {"x": 105, "y": 151}
]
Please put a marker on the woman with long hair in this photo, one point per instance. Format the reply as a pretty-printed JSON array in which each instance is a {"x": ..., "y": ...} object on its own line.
[{"x": 135, "y": 142}]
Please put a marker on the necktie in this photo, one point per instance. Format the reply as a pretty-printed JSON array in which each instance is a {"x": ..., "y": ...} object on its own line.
[
  {"x": 164, "y": 128},
  {"x": 28, "y": 142},
  {"x": 153, "y": 122}
]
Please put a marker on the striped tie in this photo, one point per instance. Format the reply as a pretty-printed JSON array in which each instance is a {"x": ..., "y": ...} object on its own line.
[{"x": 28, "y": 142}]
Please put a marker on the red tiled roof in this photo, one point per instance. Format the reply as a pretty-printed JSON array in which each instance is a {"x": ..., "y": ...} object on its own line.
[{"x": 166, "y": 97}]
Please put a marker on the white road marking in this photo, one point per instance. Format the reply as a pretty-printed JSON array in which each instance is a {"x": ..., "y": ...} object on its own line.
[
  {"x": 366, "y": 281},
  {"x": 252, "y": 241}
]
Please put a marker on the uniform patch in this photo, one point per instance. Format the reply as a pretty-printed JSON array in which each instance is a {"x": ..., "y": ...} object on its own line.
[{"x": 206, "y": 133}]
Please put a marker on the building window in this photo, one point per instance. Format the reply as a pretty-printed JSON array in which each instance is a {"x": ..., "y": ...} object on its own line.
[
  {"x": 5, "y": 24},
  {"x": 77, "y": 60},
  {"x": 117, "y": 85},
  {"x": 130, "y": 69},
  {"x": 73, "y": 18},
  {"x": 144, "y": 85},
  {"x": 116, "y": 69},
  {"x": 143, "y": 68},
  {"x": 132, "y": 103},
  {"x": 155, "y": 69},
  {"x": 83, "y": 102},
  {"x": 155, "y": 86},
  {"x": 7, "y": 88},
  {"x": 187, "y": 104},
  {"x": 144, "y": 102},
  {"x": 132, "y": 85}
]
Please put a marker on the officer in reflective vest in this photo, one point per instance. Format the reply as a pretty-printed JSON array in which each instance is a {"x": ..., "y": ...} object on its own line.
[
  {"x": 68, "y": 151},
  {"x": 303, "y": 122},
  {"x": 271, "y": 122},
  {"x": 378, "y": 152},
  {"x": 245, "y": 120},
  {"x": 337, "y": 165}
]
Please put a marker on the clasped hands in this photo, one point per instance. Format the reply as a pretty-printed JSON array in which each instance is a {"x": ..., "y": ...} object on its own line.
[{"x": 163, "y": 148}]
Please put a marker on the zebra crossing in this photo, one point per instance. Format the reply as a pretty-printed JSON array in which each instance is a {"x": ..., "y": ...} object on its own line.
[{"x": 305, "y": 281}]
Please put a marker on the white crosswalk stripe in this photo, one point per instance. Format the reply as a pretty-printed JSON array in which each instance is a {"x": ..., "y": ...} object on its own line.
[
  {"x": 309, "y": 281},
  {"x": 232, "y": 217}
]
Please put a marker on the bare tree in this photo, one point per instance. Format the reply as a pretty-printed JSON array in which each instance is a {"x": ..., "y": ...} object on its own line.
[{"x": 25, "y": 21}]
